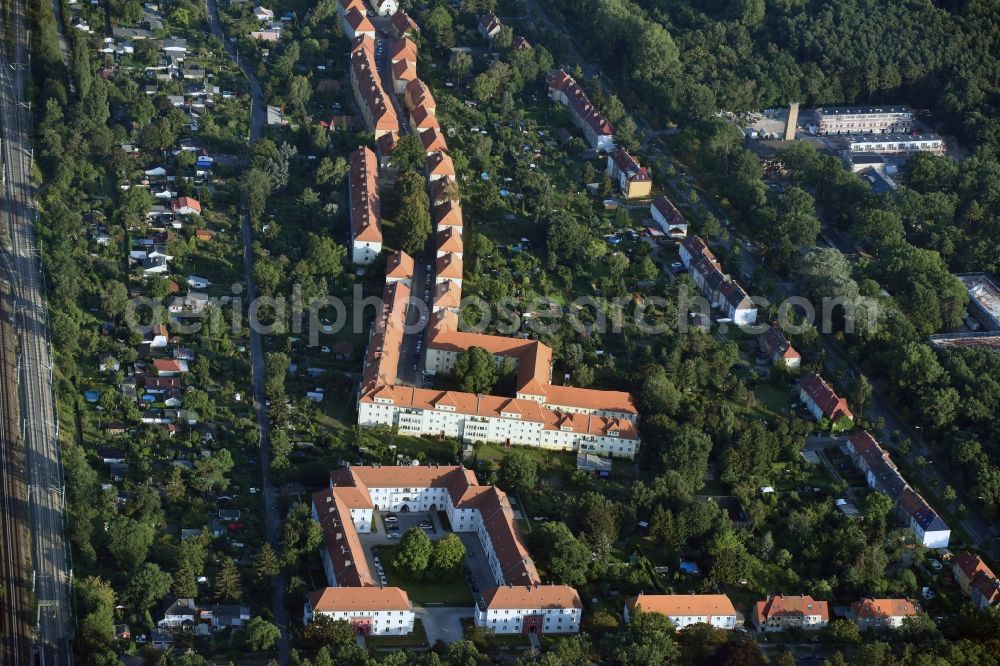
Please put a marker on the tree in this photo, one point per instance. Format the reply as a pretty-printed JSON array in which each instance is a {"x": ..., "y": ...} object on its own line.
[
  {"x": 200, "y": 403},
  {"x": 323, "y": 630},
  {"x": 261, "y": 635},
  {"x": 627, "y": 134},
  {"x": 413, "y": 216},
  {"x": 299, "y": 93},
  {"x": 862, "y": 394},
  {"x": 446, "y": 556},
  {"x": 409, "y": 153},
  {"x": 460, "y": 66},
  {"x": 257, "y": 188},
  {"x": 129, "y": 541},
  {"x": 265, "y": 564},
  {"x": 730, "y": 562},
  {"x": 518, "y": 472},
  {"x": 227, "y": 581},
  {"x": 146, "y": 586},
  {"x": 325, "y": 256},
  {"x": 647, "y": 640},
  {"x": 796, "y": 225},
  {"x": 476, "y": 370},
  {"x": 739, "y": 653},
  {"x": 332, "y": 171},
  {"x": 878, "y": 506},
  {"x": 190, "y": 564},
  {"x": 96, "y": 610},
  {"x": 414, "y": 553},
  {"x": 438, "y": 28},
  {"x": 565, "y": 559},
  {"x": 842, "y": 631}
]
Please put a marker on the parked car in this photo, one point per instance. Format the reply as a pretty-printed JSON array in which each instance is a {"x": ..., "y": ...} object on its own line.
[
  {"x": 390, "y": 519},
  {"x": 393, "y": 535}
]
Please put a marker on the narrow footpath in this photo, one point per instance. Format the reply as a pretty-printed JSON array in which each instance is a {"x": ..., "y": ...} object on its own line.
[{"x": 258, "y": 121}]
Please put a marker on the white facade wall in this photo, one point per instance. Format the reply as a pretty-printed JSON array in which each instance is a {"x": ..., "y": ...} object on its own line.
[
  {"x": 742, "y": 316},
  {"x": 365, "y": 253},
  {"x": 509, "y": 621},
  {"x": 385, "y": 7},
  {"x": 717, "y": 621},
  {"x": 383, "y": 623},
  {"x": 814, "y": 409},
  {"x": 933, "y": 539}
]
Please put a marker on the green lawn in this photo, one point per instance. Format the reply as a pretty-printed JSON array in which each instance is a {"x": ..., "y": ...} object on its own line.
[
  {"x": 451, "y": 592},
  {"x": 549, "y": 462},
  {"x": 771, "y": 400}
]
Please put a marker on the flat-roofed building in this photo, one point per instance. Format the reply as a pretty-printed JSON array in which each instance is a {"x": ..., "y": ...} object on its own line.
[
  {"x": 863, "y": 119},
  {"x": 984, "y": 299}
]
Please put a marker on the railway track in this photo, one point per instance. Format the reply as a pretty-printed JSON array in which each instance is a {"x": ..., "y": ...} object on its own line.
[
  {"x": 46, "y": 604},
  {"x": 15, "y": 611}
]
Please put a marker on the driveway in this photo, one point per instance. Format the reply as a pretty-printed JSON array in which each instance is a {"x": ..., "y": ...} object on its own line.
[{"x": 443, "y": 622}]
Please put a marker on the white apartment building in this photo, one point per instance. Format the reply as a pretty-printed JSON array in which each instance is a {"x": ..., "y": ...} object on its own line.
[
  {"x": 540, "y": 609},
  {"x": 372, "y": 611},
  {"x": 686, "y": 609},
  {"x": 863, "y": 120}
]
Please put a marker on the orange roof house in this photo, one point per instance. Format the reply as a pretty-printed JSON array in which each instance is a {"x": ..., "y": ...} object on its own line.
[
  {"x": 439, "y": 165},
  {"x": 365, "y": 206},
  {"x": 418, "y": 94},
  {"x": 883, "y": 613},
  {"x": 686, "y": 609},
  {"x": 779, "y": 612},
  {"x": 821, "y": 399},
  {"x": 433, "y": 140}
]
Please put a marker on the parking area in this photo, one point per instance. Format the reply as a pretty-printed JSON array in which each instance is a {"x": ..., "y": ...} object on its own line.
[
  {"x": 389, "y": 527},
  {"x": 476, "y": 569}
]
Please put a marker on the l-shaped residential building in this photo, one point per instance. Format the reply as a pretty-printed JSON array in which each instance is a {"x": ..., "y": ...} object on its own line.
[
  {"x": 519, "y": 603},
  {"x": 540, "y": 413}
]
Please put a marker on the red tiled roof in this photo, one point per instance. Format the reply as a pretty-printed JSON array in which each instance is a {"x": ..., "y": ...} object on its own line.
[
  {"x": 449, "y": 240},
  {"x": 775, "y": 345},
  {"x": 440, "y": 164},
  {"x": 399, "y": 266},
  {"x": 359, "y": 599},
  {"x": 579, "y": 103},
  {"x": 684, "y": 605},
  {"x": 884, "y": 608},
  {"x": 628, "y": 165},
  {"x": 780, "y": 606},
  {"x": 364, "y": 72},
  {"x": 340, "y": 538},
  {"x": 823, "y": 395},
  {"x": 366, "y": 209},
  {"x": 185, "y": 202},
  {"x": 537, "y": 596}
]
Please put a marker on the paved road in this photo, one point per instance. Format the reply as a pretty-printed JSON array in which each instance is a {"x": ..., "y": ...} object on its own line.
[
  {"x": 258, "y": 122},
  {"x": 837, "y": 362},
  {"x": 40, "y": 429}
]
